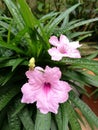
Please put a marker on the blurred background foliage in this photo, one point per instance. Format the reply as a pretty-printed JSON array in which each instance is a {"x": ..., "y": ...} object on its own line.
[{"x": 87, "y": 10}]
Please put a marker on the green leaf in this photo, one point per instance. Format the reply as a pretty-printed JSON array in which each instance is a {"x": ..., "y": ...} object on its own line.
[
  {"x": 73, "y": 120},
  {"x": 90, "y": 79},
  {"x": 20, "y": 35},
  {"x": 3, "y": 59},
  {"x": 60, "y": 18},
  {"x": 65, "y": 21},
  {"x": 19, "y": 106},
  {"x": 93, "y": 55},
  {"x": 14, "y": 122},
  {"x": 58, "y": 118},
  {"x": 5, "y": 125},
  {"x": 53, "y": 125},
  {"x": 65, "y": 117},
  {"x": 75, "y": 76},
  {"x": 48, "y": 16},
  {"x": 15, "y": 13},
  {"x": 43, "y": 121},
  {"x": 26, "y": 120},
  {"x": 12, "y": 62},
  {"x": 76, "y": 34},
  {"x": 28, "y": 16},
  {"x": 2, "y": 116},
  {"x": 11, "y": 47},
  {"x": 83, "y": 37},
  {"x": 81, "y": 23},
  {"x": 86, "y": 111},
  {"x": 81, "y": 63},
  {"x": 4, "y": 79},
  {"x": 6, "y": 97},
  {"x": 17, "y": 62},
  {"x": 6, "y": 25}
]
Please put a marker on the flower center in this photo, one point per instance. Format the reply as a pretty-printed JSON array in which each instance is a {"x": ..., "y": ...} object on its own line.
[
  {"x": 62, "y": 49},
  {"x": 47, "y": 87}
]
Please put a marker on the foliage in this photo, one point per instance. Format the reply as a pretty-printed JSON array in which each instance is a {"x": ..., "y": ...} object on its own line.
[
  {"x": 85, "y": 11},
  {"x": 23, "y": 36}
]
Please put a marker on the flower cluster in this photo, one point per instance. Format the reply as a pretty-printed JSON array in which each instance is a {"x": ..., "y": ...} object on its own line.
[{"x": 45, "y": 86}]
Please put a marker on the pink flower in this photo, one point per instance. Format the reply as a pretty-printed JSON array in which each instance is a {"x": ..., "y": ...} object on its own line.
[
  {"x": 45, "y": 88},
  {"x": 63, "y": 48}
]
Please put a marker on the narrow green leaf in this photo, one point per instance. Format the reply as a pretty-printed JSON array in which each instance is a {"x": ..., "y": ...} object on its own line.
[
  {"x": 3, "y": 59},
  {"x": 48, "y": 16},
  {"x": 73, "y": 120},
  {"x": 11, "y": 62},
  {"x": 58, "y": 118},
  {"x": 82, "y": 23},
  {"x": 4, "y": 79},
  {"x": 15, "y": 13},
  {"x": 2, "y": 116},
  {"x": 86, "y": 111},
  {"x": 93, "y": 55},
  {"x": 17, "y": 62},
  {"x": 5, "y": 25},
  {"x": 76, "y": 34},
  {"x": 65, "y": 21},
  {"x": 19, "y": 106},
  {"x": 26, "y": 120},
  {"x": 81, "y": 63},
  {"x": 19, "y": 36},
  {"x": 43, "y": 121},
  {"x": 83, "y": 37},
  {"x": 53, "y": 125},
  {"x": 90, "y": 79},
  {"x": 92, "y": 68},
  {"x": 75, "y": 76},
  {"x": 11, "y": 47},
  {"x": 60, "y": 18},
  {"x": 73, "y": 22},
  {"x": 5, "y": 125},
  {"x": 14, "y": 122},
  {"x": 6, "y": 97},
  {"x": 65, "y": 117},
  {"x": 28, "y": 17}
]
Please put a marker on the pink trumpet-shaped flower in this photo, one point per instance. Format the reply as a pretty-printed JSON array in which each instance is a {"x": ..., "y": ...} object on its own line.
[
  {"x": 45, "y": 88},
  {"x": 63, "y": 48}
]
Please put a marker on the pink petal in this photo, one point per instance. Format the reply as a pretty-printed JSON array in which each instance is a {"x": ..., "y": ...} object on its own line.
[
  {"x": 28, "y": 96},
  {"x": 74, "y": 45},
  {"x": 35, "y": 76},
  {"x": 57, "y": 94},
  {"x": 30, "y": 73},
  {"x": 54, "y": 72},
  {"x": 47, "y": 103},
  {"x": 54, "y": 41},
  {"x": 73, "y": 54},
  {"x": 55, "y": 54},
  {"x": 63, "y": 39},
  {"x": 60, "y": 91}
]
